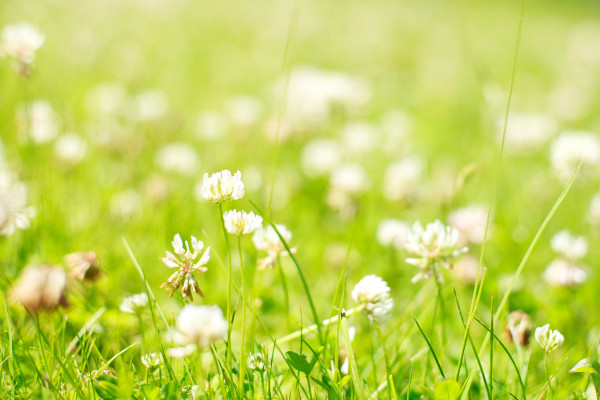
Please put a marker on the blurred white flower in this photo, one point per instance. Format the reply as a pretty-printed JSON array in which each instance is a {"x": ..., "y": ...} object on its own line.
[
  {"x": 465, "y": 269},
  {"x": 518, "y": 327},
  {"x": 244, "y": 110},
  {"x": 256, "y": 361},
  {"x": 571, "y": 148},
  {"x": 570, "y": 247},
  {"x": 548, "y": 339},
  {"x": 186, "y": 265},
  {"x": 83, "y": 265},
  {"x": 392, "y": 232},
  {"x": 211, "y": 125},
  {"x": 134, "y": 304},
  {"x": 564, "y": 273},
  {"x": 106, "y": 99},
  {"x": 470, "y": 222},
  {"x": 151, "y": 360},
  {"x": 70, "y": 148},
  {"x": 178, "y": 157},
  {"x": 125, "y": 204},
  {"x": 345, "y": 185},
  {"x": 397, "y": 126},
  {"x": 39, "y": 121},
  {"x": 222, "y": 186},
  {"x": 526, "y": 131},
  {"x": 594, "y": 211},
  {"x": 360, "y": 138},
  {"x": 41, "y": 288},
  {"x": 437, "y": 244},
  {"x": 21, "y": 41},
  {"x": 320, "y": 157},
  {"x": 266, "y": 239},
  {"x": 198, "y": 327},
  {"x": 150, "y": 105},
  {"x": 241, "y": 223},
  {"x": 374, "y": 293},
  {"x": 14, "y": 212},
  {"x": 402, "y": 179}
]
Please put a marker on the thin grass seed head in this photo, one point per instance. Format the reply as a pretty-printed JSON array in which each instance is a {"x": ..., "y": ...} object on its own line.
[
  {"x": 197, "y": 327},
  {"x": 374, "y": 293},
  {"x": 548, "y": 339},
  {"x": 241, "y": 223},
  {"x": 134, "y": 304},
  {"x": 184, "y": 260},
  {"x": 222, "y": 186}
]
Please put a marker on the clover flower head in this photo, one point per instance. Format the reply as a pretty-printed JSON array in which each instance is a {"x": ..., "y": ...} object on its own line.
[
  {"x": 569, "y": 246},
  {"x": 266, "y": 239},
  {"x": 571, "y": 148},
  {"x": 256, "y": 361},
  {"x": 518, "y": 327},
  {"x": 222, "y": 186},
  {"x": 151, "y": 360},
  {"x": 374, "y": 293},
  {"x": 197, "y": 327},
  {"x": 21, "y": 41},
  {"x": 14, "y": 211},
  {"x": 565, "y": 273},
  {"x": 241, "y": 223},
  {"x": 436, "y": 244},
  {"x": 184, "y": 260},
  {"x": 392, "y": 233},
  {"x": 84, "y": 265},
  {"x": 134, "y": 304},
  {"x": 548, "y": 339},
  {"x": 41, "y": 288}
]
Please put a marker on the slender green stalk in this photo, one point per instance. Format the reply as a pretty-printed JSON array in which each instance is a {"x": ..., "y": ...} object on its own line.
[
  {"x": 228, "y": 356},
  {"x": 492, "y": 349},
  {"x": 388, "y": 370},
  {"x": 245, "y": 299}
]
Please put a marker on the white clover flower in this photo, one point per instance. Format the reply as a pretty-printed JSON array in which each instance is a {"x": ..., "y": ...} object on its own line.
[
  {"x": 244, "y": 110},
  {"x": 571, "y": 148},
  {"x": 151, "y": 360},
  {"x": 374, "y": 293},
  {"x": 21, "y": 41},
  {"x": 266, "y": 239},
  {"x": 470, "y": 222},
  {"x": 564, "y": 273},
  {"x": 402, "y": 179},
  {"x": 39, "y": 121},
  {"x": 186, "y": 265},
  {"x": 211, "y": 125},
  {"x": 41, "y": 288},
  {"x": 437, "y": 244},
  {"x": 84, "y": 265},
  {"x": 222, "y": 186},
  {"x": 241, "y": 223},
  {"x": 106, "y": 99},
  {"x": 320, "y": 157},
  {"x": 594, "y": 211},
  {"x": 392, "y": 232},
  {"x": 178, "y": 157},
  {"x": 548, "y": 339},
  {"x": 526, "y": 131},
  {"x": 198, "y": 327},
  {"x": 345, "y": 185},
  {"x": 150, "y": 105},
  {"x": 256, "y": 361},
  {"x": 570, "y": 247},
  {"x": 124, "y": 205},
  {"x": 70, "y": 148},
  {"x": 134, "y": 304},
  {"x": 14, "y": 212},
  {"x": 359, "y": 138},
  {"x": 518, "y": 327}
]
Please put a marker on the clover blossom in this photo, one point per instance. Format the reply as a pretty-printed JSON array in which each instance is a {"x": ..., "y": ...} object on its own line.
[
  {"x": 222, "y": 186},
  {"x": 374, "y": 293},
  {"x": 241, "y": 223},
  {"x": 134, "y": 304},
  {"x": 186, "y": 264},
  {"x": 197, "y": 327},
  {"x": 266, "y": 239},
  {"x": 548, "y": 339}
]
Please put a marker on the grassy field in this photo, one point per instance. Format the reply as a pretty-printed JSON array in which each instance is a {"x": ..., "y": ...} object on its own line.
[{"x": 349, "y": 122}]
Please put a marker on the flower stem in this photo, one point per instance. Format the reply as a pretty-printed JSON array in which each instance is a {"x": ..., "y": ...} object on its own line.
[
  {"x": 229, "y": 285},
  {"x": 244, "y": 298}
]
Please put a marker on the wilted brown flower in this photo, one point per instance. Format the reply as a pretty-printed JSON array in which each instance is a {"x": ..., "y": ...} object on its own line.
[
  {"x": 518, "y": 327},
  {"x": 41, "y": 288},
  {"x": 84, "y": 265}
]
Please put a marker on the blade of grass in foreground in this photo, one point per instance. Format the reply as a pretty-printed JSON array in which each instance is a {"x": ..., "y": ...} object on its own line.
[
  {"x": 430, "y": 348},
  {"x": 522, "y": 265}
]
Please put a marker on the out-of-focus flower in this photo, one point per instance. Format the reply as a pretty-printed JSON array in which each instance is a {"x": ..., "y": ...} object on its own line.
[
  {"x": 518, "y": 327},
  {"x": 197, "y": 327},
  {"x": 38, "y": 120},
  {"x": 244, "y": 110},
  {"x": 571, "y": 148},
  {"x": 241, "y": 223},
  {"x": 211, "y": 125},
  {"x": 570, "y": 247},
  {"x": 84, "y": 265},
  {"x": 320, "y": 157},
  {"x": 21, "y": 41},
  {"x": 256, "y": 361},
  {"x": 186, "y": 265},
  {"x": 392, "y": 232},
  {"x": 180, "y": 158},
  {"x": 402, "y": 179},
  {"x": 437, "y": 244},
  {"x": 548, "y": 339},
  {"x": 150, "y": 105},
  {"x": 345, "y": 185},
  {"x": 125, "y": 204},
  {"x": 151, "y": 360},
  {"x": 266, "y": 239},
  {"x": 14, "y": 212},
  {"x": 41, "y": 288},
  {"x": 465, "y": 269},
  {"x": 134, "y": 304},
  {"x": 594, "y": 211},
  {"x": 106, "y": 99},
  {"x": 70, "y": 148},
  {"x": 191, "y": 391},
  {"x": 470, "y": 222},
  {"x": 374, "y": 293},
  {"x": 526, "y": 131},
  {"x": 360, "y": 138},
  {"x": 396, "y": 125},
  {"x": 564, "y": 273},
  {"x": 222, "y": 186}
]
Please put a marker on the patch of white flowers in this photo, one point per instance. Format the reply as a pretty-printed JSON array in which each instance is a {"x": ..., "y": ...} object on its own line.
[
  {"x": 548, "y": 339},
  {"x": 222, "y": 186},
  {"x": 374, "y": 293},
  {"x": 435, "y": 245}
]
